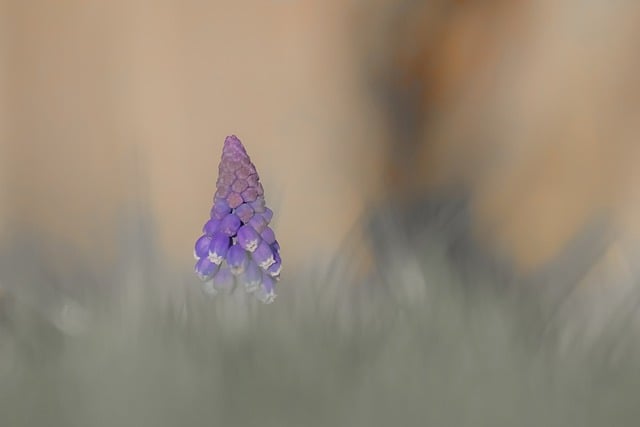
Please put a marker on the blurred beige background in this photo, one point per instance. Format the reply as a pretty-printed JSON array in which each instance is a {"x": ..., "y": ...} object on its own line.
[
  {"x": 111, "y": 103},
  {"x": 115, "y": 108}
]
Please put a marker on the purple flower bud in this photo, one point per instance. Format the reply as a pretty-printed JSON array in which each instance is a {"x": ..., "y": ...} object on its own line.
[
  {"x": 232, "y": 164},
  {"x": 224, "y": 280},
  {"x": 220, "y": 209},
  {"x": 218, "y": 247},
  {"x": 250, "y": 194},
  {"x": 266, "y": 292},
  {"x": 258, "y": 205},
  {"x": 237, "y": 259},
  {"x": 267, "y": 214},
  {"x": 268, "y": 235},
  {"x": 252, "y": 277},
  {"x": 238, "y": 246},
  {"x": 248, "y": 238},
  {"x": 239, "y": 185},
  {"x": 205, "y": 268},
  {"x": 211, "y": 227},
  {"x": 235, "y": 200},
  {"x": 252, "y": 180},
  {"x": 223, "y": 191},
  {"x": 274, "y": 269},
  {"x": 227, "y": 178},
  {"x": 202, "y": 247},
  {"x": 258, "y": 223},
  {"x": 233, "y": 144},
  {"x": 263, "y": 255},
  {"x": 244, "y": 172},
  {"x": 268, "y": 283},
  {"x": 230, "y": 224},
  {"x": 244, "y": 212}
]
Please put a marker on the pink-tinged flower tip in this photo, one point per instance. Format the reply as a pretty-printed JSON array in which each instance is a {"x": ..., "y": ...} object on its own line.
[
  {"x": 244, "y": 172},
  {"x": 250, "y": 194},
  {"x": 233, "y": 144},
  {"x": 239, "y": 185},
  {"x": 234, "y": 199}
]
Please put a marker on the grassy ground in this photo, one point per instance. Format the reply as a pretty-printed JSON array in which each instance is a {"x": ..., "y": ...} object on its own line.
[{"x": 433, "y": 338}]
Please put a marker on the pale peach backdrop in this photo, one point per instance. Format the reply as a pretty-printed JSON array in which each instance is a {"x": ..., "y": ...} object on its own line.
[
  {"x": 108, "y": 102},
  {"x": 112, "y": 108}
]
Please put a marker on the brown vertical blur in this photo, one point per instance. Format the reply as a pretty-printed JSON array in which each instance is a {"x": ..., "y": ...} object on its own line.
[
  {"x": 532, "y": 108},
  {"x": 3, "y": 119}
]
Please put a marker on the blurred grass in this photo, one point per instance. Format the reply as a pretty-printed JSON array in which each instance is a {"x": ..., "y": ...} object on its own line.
[{"x": 421, "y": 342}]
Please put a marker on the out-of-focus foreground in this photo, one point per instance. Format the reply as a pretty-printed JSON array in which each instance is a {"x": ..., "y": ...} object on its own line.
[
  {"x": 453, "y": 188},
  {"x": 428, "y": 342}
]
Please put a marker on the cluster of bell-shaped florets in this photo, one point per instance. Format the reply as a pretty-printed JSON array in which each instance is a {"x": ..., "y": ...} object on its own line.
[{"x": 238, "y": 248}]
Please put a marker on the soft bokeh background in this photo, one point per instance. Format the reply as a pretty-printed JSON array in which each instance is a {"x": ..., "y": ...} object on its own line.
[
  {"x": 107, "y": 102},
  {"x": 114, "y": 108}
]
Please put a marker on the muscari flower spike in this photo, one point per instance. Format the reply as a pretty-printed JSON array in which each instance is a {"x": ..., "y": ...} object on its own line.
[{"x": 238, "y": 248}]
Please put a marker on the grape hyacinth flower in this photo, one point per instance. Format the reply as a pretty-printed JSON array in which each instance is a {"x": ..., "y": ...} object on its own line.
[{"x": 238, "y": 248}]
